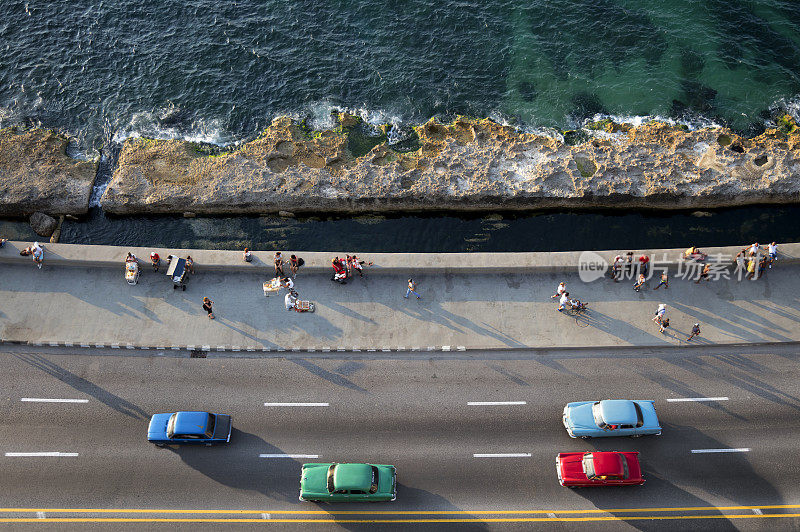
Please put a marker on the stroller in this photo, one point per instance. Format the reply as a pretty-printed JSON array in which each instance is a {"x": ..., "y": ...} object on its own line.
[
  {"x": 177, "y": 272},
  {"x": 132, "y": 272}
]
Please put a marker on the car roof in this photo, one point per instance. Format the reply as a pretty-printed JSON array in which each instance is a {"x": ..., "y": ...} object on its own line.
[
  {"x": 618, "y": 412},
  {"x": 607, "y": 463},
  {"x": 190, "y": 422},
  {"x": 352, "y": 477}
]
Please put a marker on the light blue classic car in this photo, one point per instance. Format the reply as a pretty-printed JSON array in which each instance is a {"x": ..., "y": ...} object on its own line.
[{"x": 599, "y": 419}]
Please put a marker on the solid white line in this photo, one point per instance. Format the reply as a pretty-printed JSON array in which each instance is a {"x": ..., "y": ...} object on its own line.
[
  {"x": 501, "y": 455},
  {"x": 296, "y": 404},
  {"x": 739, "y": 450},
  {"x": 496, "y": 403},
  {"x": 288, "y": 456},
  {"x": 40, "y": 400},
  {"x": 41, "y": 454},
  {"x": 697, "y": 399}
]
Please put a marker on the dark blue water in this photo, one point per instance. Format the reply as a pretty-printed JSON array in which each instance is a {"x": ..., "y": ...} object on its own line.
[{"x": 220, "y": 71}]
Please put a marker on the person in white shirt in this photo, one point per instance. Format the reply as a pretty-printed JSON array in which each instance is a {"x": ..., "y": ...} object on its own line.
[
  {"x": 289, "y": 301},
  {"x": 661, "y": 313},
  {"x": 560, "y": 290},
  {"x": 772, "y": 249},
  {"x": 563, "y": 302}
]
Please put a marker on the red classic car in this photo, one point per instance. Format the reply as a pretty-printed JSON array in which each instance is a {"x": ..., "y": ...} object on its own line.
[{"x": 596, "y": 468}]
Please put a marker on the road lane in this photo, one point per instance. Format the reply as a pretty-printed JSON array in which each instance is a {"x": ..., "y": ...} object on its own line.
[{"x": 414, "y": 414}]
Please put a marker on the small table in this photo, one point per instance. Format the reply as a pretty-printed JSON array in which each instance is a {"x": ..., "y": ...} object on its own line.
[{"x": 272, "y": 286}]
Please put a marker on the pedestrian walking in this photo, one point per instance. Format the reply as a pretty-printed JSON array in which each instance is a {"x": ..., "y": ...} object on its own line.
[
  {"x": 664, "y": 281},
  {"x": 563, "y": 302},
  {"x": 751, "y": 267},
  {"x": 644, "y": 264},
  {"x": 155, "y": 260},
  {"x": 661, "y": 313},
  {"x": 562, "y": 287},
  {"x": 639, "y": 282},
  {"x": 412, "y": 289},
  {"x": 695, "y": 332},
  {"x": 663, "y": 325},
  {"x": 207, "y": 303},
  {"x": 38, "y": 254},
  {"x": 772, "y": 249},
  {"x": 190, "y": 264},
  {"x": 616, "y": 267},
  {"x": 247, "y": 256},
  {"x": 278, "y": 265},
  {"x": 704, "y": 274}
]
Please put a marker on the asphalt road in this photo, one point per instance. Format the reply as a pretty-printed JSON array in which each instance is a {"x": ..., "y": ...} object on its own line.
[{"x": 413, "y": 413}]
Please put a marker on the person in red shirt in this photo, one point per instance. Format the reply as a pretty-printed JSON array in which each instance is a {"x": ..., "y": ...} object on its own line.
[
  {"x": 155, "y": 260},
  {"x": 644, "y": 265}
]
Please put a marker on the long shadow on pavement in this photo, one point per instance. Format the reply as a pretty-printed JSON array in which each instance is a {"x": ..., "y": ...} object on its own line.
[
  {"x": 82, "y": 385},
  {"x": 667, "y": 461},
  {"x": 275, "y": 478}
]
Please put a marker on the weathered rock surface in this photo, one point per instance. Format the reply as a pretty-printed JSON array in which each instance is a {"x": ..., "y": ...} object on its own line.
[
  {"x": 42, "y": 224},
  {"x": 36, "y": 174},
  {"x": 465, "y": 165}
]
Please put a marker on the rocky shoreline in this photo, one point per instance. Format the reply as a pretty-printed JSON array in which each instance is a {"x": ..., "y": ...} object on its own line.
[
  {"x": 466, "y": 165},
  {"x": 36, "y": 174}
]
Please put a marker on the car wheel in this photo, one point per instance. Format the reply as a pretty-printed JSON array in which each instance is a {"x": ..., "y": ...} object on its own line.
[
  {"x": 584, "y": 437},
  {"x": 159, "y": 445},
  {"x": 636, "y": 435},
  {"x": 208, "y": 445}
]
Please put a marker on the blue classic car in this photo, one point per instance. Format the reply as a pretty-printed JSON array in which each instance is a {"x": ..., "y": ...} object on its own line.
[
  {"x": 598, "y": 419},
  {"x": 189, "y": 427}
]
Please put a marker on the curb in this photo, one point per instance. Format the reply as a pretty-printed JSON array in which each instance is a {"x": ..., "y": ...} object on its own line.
[{"x": 235, "y": 348}]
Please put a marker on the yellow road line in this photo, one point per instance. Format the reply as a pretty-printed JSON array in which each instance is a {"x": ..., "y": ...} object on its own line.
[
  {"x": 386, "y": 521},
  {"x": 395, "y": 512}
]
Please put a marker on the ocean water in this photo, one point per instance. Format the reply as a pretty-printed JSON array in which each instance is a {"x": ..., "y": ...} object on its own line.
[{"x": 220, "y": 71}]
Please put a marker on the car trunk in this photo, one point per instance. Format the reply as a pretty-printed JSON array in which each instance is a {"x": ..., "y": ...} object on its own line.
[{"x": 222, "y": 427}]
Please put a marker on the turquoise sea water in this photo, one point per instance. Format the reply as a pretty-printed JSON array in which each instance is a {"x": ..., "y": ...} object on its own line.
[{"x": 220, "y": 71}]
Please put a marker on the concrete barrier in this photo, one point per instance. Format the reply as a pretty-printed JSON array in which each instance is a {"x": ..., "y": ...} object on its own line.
[{"x": 87, "y": 256}]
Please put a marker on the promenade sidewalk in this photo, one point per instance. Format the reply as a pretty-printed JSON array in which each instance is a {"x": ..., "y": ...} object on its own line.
[{"x": 473, "y": 310}]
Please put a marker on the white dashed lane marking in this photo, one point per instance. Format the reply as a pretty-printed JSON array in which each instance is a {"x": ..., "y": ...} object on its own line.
[
  {"x": 739, "y": 450},
  {"x": 296, "y": 404},
  {"x": 696, "y": 399},
  {"x": 48, "y": 453},
  {"x": 496, "y": 403},
  {"x": 44, "y": 400},
  {"x": 501, "y": 455}
]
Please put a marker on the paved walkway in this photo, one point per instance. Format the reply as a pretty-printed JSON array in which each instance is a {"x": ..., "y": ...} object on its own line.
[{"x": 63, "y": 304}]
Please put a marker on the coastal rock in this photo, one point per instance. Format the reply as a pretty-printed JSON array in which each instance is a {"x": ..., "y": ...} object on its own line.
[
  {"x": 42, "y": 224},
  {"x": 36, "y": 174},
  {"x": 465, "y": 165}
]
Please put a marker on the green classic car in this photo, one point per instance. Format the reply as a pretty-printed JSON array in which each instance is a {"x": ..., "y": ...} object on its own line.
[{"x": 348, "y": 483}]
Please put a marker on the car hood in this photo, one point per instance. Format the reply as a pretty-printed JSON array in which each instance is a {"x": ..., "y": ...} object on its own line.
[
  {"x": 222, "y": 427},
  {"x": 157, "y": 430},
  {"x": 314, "y": 478},
  {"x": 580, "y": 416},
  {"x": 572, "y": 466}
]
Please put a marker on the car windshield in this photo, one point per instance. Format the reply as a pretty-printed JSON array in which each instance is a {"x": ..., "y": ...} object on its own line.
[
  {"x": 588, "y": 465},
  {"x": 212, "y": 419},
  {"x": 171, "y": 426},
  {"x": 625, "y": 473},
  {"x": 330, "y": 478},
  {"x": 374, "y": 484},
  {"x": 639, "y": 415},
  {"x": 598, "y": 415}
]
